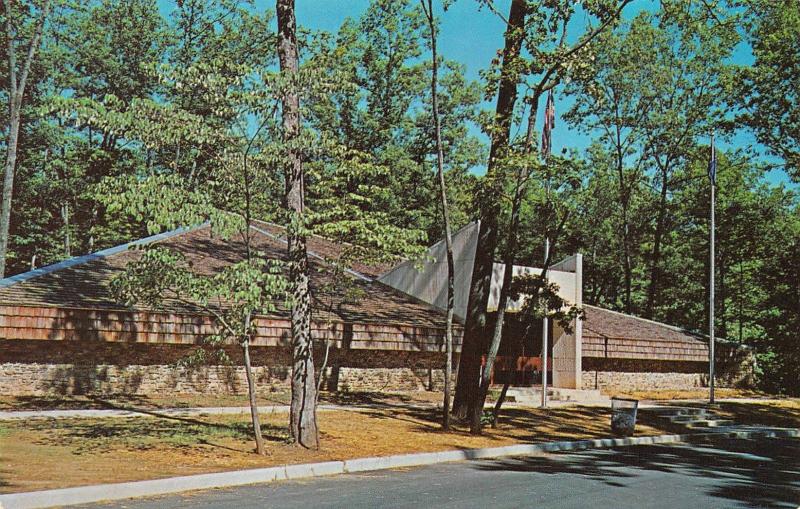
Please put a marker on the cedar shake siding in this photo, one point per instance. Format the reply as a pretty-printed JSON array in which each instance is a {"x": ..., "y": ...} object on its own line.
[{"x": 624, "y": 352}]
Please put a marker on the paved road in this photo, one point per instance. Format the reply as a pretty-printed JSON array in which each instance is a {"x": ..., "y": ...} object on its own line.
[{"x": 728, "y": 473}]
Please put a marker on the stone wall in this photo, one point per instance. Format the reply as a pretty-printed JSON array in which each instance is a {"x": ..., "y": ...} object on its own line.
[
  {"x": 732, "y": 370},
  {"x": 29, "y": 368},
  {"x": 37, "y": 367},
  {"x": 620, "y": 380}
]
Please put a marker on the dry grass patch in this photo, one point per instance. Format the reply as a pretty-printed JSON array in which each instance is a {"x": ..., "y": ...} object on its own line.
[
  {"x": 45, "y": 454},
  {"x": 669, "y": 395},
  {"x": 79, "y": 402}
]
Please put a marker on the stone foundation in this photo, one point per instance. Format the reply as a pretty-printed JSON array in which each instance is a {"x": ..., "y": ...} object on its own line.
[
  {"x": 34, "y": 367},
  {"x": 645, "y": 375},
  {"x": 145, "y": 369},
  {"x": 643, "y": 381},
  {"x": 136, "y": 380}
]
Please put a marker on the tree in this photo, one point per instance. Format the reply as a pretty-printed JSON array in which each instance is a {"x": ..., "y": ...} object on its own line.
[
  {"x": 32, "y": 20},
  {"x": 552, "y": 56},
  {"x": 303, "y": 413},
  {"x": 385, "y": 111},
  {"x": 472, "y": 344},
  {"x": 233, "y": 297},
  {"x": 652, "y": 89},
  {"x": 428, "y": 10},
  {"x": 767, "y": 91}
]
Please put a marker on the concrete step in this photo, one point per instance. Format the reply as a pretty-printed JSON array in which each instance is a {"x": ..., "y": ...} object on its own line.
[
  {"x": 690, "y": 418},
  {"x": 533, "y": 395},
  {"x": 709, "y": 423},
  {"x": 676, "y": 411}
]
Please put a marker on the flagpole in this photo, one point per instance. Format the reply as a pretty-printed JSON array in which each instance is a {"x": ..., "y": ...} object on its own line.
[
  {"x": 711, "y": 357},
  {"x": 547, "y": 144},
  {"x": 545, "y": 334}
]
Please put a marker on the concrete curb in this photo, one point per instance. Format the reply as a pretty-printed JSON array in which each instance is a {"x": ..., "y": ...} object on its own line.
[{"x": 120, "y": 491}]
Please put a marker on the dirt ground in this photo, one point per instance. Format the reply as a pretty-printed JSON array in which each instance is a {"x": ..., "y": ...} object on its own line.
[
  {"x": 669, "y": 395},
  {"x": 68, "y": 402},
  {"x": 55, "y": 453},
  {"x": 75, "y": 402},
  {"x": 50, "y": 453}
]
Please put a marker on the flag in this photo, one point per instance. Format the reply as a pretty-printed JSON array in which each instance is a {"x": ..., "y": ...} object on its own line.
[
  {"x": 549, "y": 124},
  {"x": 712, "y": 163}
]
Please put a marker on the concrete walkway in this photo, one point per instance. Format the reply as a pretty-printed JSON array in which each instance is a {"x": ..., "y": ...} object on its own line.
[
  {"x": 173, "y": 412},
  {"x": 156, "y": 412}
]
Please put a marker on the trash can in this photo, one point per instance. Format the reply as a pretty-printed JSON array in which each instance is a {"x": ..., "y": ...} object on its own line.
[{"x": 623, "y": 416}]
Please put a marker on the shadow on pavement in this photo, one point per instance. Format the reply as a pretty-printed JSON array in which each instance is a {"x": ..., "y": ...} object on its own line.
[{"x": 757, "y": 472}]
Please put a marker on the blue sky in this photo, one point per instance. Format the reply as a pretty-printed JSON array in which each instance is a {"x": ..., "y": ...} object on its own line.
[{"x": 472, "y": 36}]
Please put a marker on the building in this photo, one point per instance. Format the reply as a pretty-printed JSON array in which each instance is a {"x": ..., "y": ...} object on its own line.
[
  {"x": 62, "y": 331},
  {"x": 605, "y": 350}
]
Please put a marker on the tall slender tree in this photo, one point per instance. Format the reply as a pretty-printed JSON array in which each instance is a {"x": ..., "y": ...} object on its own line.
[
  {"x": 303, "y": 417},
  {"x": 17, "y": 79},
  {"x": 448, "y": 237},
  {"x": 551, "y": 56}
]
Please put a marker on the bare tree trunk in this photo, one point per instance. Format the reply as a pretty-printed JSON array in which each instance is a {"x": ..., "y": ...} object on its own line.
[
  {"x": 16, "y": 92},
  {"x": 324, "y": 365},
  {"x": 469, "y": 368},
  {"x": 655, "y": 261},
  {"x": 445, "y": 216},
  {"x": 251, "y": 391},
  {"x": 547, "y": 260},
  {"x": 303, "y": 417},
  {"x": 91, "y": 229},
  {"x": 65, "y": 219},
  {"x": 8, "y": 182}
]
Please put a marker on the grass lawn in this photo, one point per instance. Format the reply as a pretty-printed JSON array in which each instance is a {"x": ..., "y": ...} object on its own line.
[{"x": 50, "y": 453}]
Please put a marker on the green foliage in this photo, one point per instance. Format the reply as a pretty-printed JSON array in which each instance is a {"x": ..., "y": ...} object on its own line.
[
  {"x": 234, "y": 295},
  {"x": 135, "y": 122},
  {"x": 767, "y": 91},
  {"x": 540, "y": 300}
]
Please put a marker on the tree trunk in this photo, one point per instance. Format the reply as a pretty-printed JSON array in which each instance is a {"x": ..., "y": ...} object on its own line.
[
  {"x": 303, "y": 418},
  {"x": 655, "y": 268},
  {"x": 251, "y": 391},
  {"x": 469, "y": 367},
  {"x": 624, "y": 198},
  {"x": 476, "y": 410},
  {"x": 499, "y": 403},
  {"x": 626, "y": 250},
  {"x": 65, "y": 219},
  {"x": 722, "y": 317},
  {"x": 16, "y": 92},
  {"x": 508, "y": 260},
  {"x": 8, "y": 181},
  {"x": 445, "y": 217}
]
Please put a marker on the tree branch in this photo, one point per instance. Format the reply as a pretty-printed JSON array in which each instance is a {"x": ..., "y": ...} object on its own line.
[{"x": 34, "y": 43}]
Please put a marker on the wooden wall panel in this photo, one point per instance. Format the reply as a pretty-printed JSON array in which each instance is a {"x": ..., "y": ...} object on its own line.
[
  {"x": 70, "y": 324},
  {"x": 625, "y": 348}
]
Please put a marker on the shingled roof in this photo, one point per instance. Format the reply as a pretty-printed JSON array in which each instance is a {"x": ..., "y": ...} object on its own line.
[
  {"x": 604, "y": 323},
  {"x": 84, "y": 282}
]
